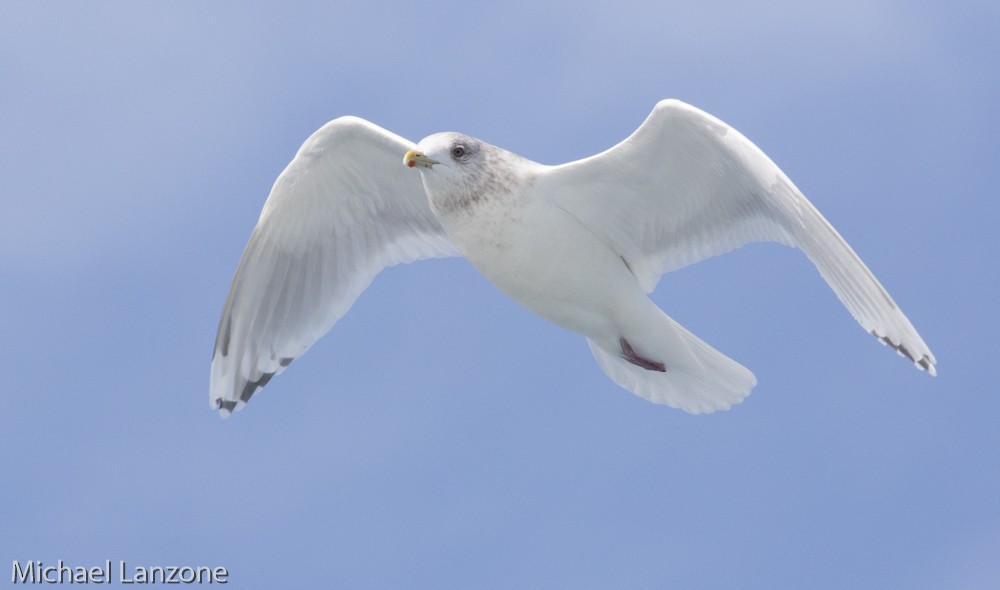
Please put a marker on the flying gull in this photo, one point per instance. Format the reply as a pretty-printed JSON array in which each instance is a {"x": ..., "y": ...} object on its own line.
[{"x": 580, "y": 244}]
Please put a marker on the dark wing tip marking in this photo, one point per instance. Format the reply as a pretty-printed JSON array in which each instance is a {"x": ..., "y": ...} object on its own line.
[
  {"x": 250, "y": 388},
  {"x": 225, "y": 334},
  {"x": 924, "y": 363},
  {"x": 225, "y": 406}
]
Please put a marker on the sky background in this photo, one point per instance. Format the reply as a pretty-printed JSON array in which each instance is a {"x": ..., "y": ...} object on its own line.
[{"x": 441, "y": 436}]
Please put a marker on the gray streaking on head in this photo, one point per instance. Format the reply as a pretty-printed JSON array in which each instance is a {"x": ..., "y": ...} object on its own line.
[{"x": 579, "y": 244}]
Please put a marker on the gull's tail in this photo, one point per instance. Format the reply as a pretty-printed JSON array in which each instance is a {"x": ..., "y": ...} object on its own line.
[{"x": 658, "y": 359}]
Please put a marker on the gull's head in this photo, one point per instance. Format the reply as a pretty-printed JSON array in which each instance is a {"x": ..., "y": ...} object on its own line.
[
  {"x": 451, "y": 150},
  {"x": 460, "y": 172},
  {"x": 451, "y": 164}
]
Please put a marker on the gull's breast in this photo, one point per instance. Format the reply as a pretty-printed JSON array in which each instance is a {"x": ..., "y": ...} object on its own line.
[{"x": 543, "y": 258}]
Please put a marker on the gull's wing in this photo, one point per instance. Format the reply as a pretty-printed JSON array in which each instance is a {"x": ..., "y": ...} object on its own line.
[
  {"x": 343, "y": 209},
  {"x": 686, "y": 186}
]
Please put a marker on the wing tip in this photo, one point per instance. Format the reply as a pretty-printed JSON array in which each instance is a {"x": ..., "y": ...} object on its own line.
[
  {"x": 926, "y": 361},
  {"x": 226, "y": 407},
  {"x": 927, "y": 364}
]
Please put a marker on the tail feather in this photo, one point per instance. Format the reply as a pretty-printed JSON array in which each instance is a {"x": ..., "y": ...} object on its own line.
[{"x": 697, "y": 378}]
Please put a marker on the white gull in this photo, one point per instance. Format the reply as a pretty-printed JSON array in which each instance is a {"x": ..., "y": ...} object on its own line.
[{"x": 580, "y": 244}]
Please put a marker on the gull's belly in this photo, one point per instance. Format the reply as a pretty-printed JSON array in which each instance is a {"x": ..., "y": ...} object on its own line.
[{"x": 548, "y": 262}]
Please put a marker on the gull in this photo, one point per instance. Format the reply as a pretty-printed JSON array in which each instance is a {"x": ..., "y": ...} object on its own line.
[{"x": 580, "y": 244}]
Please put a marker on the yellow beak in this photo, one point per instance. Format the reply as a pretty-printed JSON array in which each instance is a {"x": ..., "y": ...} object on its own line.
[{"x": 414, "y": 158}]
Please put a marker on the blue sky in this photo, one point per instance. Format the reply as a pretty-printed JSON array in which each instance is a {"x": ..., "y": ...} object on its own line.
[{"x": 441, "y": 436}]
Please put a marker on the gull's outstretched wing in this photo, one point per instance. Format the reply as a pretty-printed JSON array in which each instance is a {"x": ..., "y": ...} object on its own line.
[
  {"x": 343, "y": 209},
  {"x": 686, "y": 186}
]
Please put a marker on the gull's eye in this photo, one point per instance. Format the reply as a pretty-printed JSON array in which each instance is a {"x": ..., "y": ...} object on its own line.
[{"x": 458, "y": 152}]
